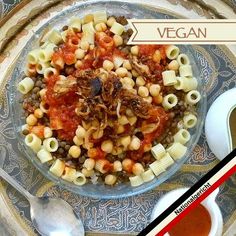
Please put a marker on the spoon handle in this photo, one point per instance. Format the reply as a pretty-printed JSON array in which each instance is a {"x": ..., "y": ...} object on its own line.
[{"x": 13, "y": 183}]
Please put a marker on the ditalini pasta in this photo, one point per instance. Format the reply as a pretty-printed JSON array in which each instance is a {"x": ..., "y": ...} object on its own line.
[
  {"x": 169, "y": 77},
  {"x": 41, "y": 66},
  {"x": 117, "y": 28},
  {"x": 183, "y": 59},
  {"x": 172, "y": 52},
  {"x": 100, "y": 16},
  {"x": 75, "y": 23},
  {"x": 44, "y": 155},
  {"x": 147, "y": 175},
  {"x": 69, "y": 174},
  {"x": 45, "y": 54},
  {"x": 182, "y": 136},
  {"x": 190, "y": 121},
  {"x": 157, "y": 168},
  {"x": 53, "y": 36},
  {"x": 25, "y": 85},
  {"x": 57, "y": 167},
  {"x": 185, "y": 70},
  {"x": 192, "y": 97},
  {"x": 97, "y": 110},
  {"x": 158, "y": 151},
  {"x": 80, "y": 179},
  {"x": 136, "y": 180},
  {"x": 33, "y": 141},
  {"x": 33, "y": 56},
  {"x": 169, "y": 101},
  {"x": 190, "y": 84},
  {"x": 49, "y": 72},
  {"x": 166, "y": 161},
  {"x": 177, "y": 150},
  {"x": 50, "y": 144}
]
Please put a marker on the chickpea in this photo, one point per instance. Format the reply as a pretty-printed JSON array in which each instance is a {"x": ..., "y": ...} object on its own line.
[
  {"x": 135, "y": 50},
  {"x": 101, "y": 27},
  {"x": 137, "y": 169},
  {"x": 125, "y": 141},
  {"x": 42, "y": 93},
  {"x": 158, "y": 99},
  {"x": 135, "y": 143},
  {"x": 111, "y": 21},
  {"x": 47, "y": 132},
  {"x": 143, "y": 91},
  {"x": 110, "y": 179},
  {"x": 140, "y": 81},
  {"x": 80, "y": 132},
  {"x": 118, "y": 40},
  {"x": 117, "y": 166},
  {"x": 79, "y": 53},
  {"x": 84, "y": 45},
  {"x": 89, "y": 163},
  {"x": 107, "y": 146},
  {"x": 134, "y": 73},
  {"x": 78, "y": 64},
  {"x": 127, "y": 65},
  {"x": 122, "y": 72},
  {"x": 31, "y": 120},
  {"x": 38, "y": 113},
  {"x": 74, "y": 151},
  {"x": 78, "y": 141},
  {"x": 154, "y": 89},
  {"x": 123, "y": 120},
  {"x": 148, "y": 99},
  {"x": 108, "y": 65},
  {"x": 157, "y": 56},
  {"x": 120, "y": 129},
  {"x": 127, "y": 164}
]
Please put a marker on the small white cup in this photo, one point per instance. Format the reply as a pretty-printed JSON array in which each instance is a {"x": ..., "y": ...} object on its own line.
[
  {"x": 209, "y": 203},
  {"x": 217, "y": 126}
]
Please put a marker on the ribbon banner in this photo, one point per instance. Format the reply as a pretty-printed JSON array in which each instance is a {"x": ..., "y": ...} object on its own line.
[
  {"x": 191, "y": 198},
  {"x": 182, "y": 31}
]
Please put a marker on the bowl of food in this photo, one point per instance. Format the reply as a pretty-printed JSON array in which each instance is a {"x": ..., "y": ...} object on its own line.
[{"x": 102, "y": 118}]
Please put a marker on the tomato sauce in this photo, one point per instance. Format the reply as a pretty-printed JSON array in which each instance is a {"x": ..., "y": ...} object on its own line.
[
  {"x": 61, "y": 111},
  {"x": 155, "y": 114},
  {"x": 196, "y": 223}
]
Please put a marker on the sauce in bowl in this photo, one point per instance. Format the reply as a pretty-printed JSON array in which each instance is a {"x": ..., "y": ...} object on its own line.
[
  {"x": 196, "y": 223},
  {"x": 232, "y": 123}
]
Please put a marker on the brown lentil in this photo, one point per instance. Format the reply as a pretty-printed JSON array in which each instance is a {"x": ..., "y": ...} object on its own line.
[
  {"x": 64, "y": 28},
  {"x": 62, "y": 144},
  {"x": 38, "y": 83},
  {"x": 61, "y": 150},
  {"x": 82, "y": 159},
  {"x": 67, "y": 147},
  {"x": 25, "y": 132}
]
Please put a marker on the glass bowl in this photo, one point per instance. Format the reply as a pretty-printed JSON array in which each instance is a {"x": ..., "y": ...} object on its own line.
[{"x": 129, "y": 10}]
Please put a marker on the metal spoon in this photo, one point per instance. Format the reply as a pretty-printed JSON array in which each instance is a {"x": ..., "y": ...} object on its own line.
[{"x": 50, "y": 216}]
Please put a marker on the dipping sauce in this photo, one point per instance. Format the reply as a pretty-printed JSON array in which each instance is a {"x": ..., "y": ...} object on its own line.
[
  {"x": 195, "y": 223},
  {"x": 232, "y": 124}
]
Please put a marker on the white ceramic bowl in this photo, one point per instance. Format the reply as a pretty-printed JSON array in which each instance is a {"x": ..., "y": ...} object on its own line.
[
  {"x": 209, "y": 203},
  {"x": 217, "y": 127}
]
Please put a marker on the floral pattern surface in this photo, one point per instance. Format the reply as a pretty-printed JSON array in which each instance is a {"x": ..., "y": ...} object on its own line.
[{"x": 127, "y": 215}]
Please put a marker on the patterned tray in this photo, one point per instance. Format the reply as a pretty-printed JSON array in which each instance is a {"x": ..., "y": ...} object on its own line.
[{"x": 123, "y": 216}]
